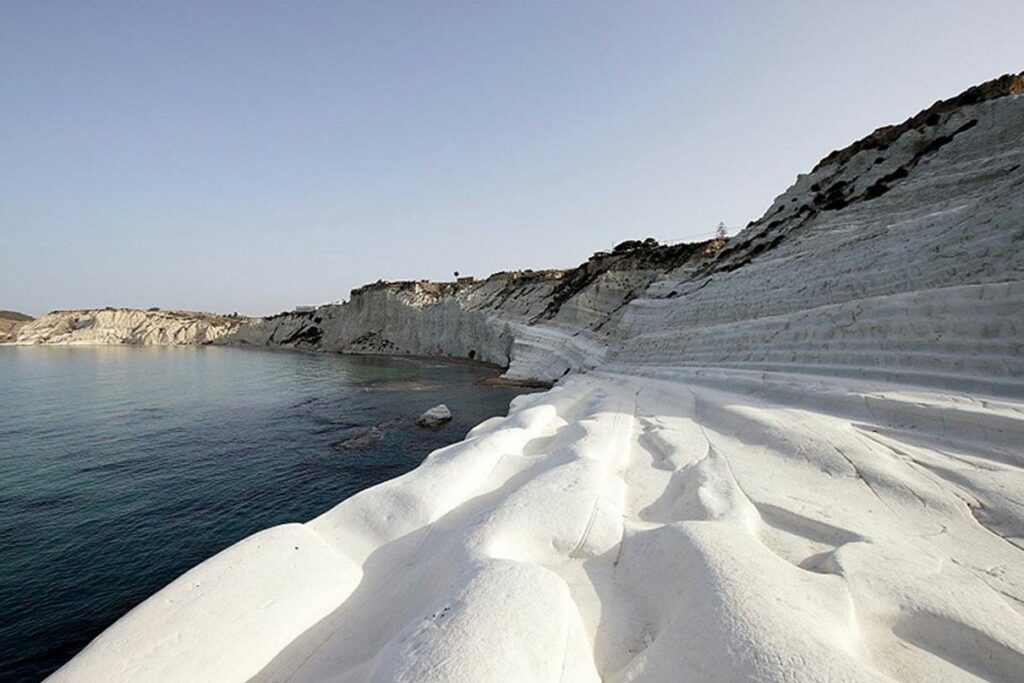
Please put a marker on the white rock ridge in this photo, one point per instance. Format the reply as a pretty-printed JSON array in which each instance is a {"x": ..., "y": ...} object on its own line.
[
  {"x": 126, "y": 326},
  {"x": 798, "y": 459}
]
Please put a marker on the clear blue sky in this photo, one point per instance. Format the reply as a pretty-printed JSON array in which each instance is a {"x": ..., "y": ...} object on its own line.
[{"x": 254, "y": 156}]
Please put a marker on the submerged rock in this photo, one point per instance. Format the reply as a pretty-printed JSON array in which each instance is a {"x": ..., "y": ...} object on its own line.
[
  {"x": 435, "y": 417},
  {"x": 368, "y": 438}
]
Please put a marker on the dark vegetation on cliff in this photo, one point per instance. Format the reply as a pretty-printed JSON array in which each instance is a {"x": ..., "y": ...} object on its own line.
[
  {"x": 632, "y": 255},
  {"x": 840, "y": 188},
  {"x": 881, "y": 138}
]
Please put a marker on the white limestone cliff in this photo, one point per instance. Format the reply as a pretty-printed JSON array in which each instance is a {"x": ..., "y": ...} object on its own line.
[
  {"x": 126, "y": 326},
  {"x": 536, "y": 324}
]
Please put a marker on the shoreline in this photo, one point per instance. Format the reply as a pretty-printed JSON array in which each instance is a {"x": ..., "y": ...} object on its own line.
[
  {"x": 448, "y": 360},
  {"x": 500, "y": 381},
  {"x": 496, "y": 380}
]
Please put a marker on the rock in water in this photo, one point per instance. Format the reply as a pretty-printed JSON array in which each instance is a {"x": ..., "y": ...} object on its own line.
[{"x": 435, "y": 417}]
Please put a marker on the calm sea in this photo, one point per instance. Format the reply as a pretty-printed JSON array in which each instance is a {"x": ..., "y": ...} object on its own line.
[{"x": 121, "y": 468}]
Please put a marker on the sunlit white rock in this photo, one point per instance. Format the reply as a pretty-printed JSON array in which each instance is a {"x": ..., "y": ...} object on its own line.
[{"x": 435, "y": 417}]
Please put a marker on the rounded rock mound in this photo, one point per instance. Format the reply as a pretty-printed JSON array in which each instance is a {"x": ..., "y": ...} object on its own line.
[{"x": 435, "y": 417}]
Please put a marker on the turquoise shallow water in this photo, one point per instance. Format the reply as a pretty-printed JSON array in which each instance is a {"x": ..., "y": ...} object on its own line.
[{"x": 121, "y": 468}]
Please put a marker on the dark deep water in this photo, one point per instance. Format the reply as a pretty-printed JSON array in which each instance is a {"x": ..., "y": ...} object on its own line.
[{"x": 121, "y": 468}]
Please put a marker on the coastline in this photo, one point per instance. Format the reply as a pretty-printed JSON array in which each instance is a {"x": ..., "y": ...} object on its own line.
[
  {"x": 511, "y": 382},
  {"x": 721, "y": 488}
]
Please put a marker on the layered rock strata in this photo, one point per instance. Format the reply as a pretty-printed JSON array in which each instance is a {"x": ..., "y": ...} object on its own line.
[{"x": 126, "y": 326}]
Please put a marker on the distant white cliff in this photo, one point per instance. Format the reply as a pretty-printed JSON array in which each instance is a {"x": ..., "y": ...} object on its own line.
[{"x": 126, "y": 326}]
